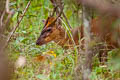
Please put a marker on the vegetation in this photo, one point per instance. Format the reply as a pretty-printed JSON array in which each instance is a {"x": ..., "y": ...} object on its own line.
[{"x": 50, "y": 61}]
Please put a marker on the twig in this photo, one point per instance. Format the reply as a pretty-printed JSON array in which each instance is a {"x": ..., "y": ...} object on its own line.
[
  {"x": 1, "y": 19},
  {"x": 10, "y": 13},
  {"x": 7, "y": 6},
  {"x": 7, "y": 19},
  {"x": 17, "y": 25},
  {"x": 55, "y": 4}
]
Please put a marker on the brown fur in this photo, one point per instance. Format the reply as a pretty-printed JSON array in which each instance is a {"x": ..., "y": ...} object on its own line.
[
  {"x": 59, "y": 35},
  {"x": 100, "y": 28}
]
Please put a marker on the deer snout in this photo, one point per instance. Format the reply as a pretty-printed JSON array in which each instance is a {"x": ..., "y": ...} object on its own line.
[
  {"x": 37, "y": 43},
  {"x": 40, "y": 42}
]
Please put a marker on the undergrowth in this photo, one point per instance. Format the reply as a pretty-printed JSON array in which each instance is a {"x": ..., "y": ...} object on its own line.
[{"x": 50, "y": 61}]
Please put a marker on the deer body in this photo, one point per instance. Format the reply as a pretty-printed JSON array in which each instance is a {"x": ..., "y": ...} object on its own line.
[
  {"x": 65, "y": 41},
  {"x": 59, "y": 36},
  {"x": 52, "y": 31}
]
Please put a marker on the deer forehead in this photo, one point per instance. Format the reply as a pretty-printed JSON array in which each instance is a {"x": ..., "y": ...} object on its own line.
[{"x": 49, "y": 21}]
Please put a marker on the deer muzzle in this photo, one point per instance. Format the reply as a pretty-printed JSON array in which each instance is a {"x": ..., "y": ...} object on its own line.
[{"x": 40, "y": 42}]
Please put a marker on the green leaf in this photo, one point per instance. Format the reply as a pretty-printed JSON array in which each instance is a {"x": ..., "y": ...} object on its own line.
[
  {"x": 41, "y": 76},
  {"x": 15, "y": 16}
]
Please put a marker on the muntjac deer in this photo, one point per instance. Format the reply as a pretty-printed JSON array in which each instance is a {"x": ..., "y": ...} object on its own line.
[{"x": 53, "y": 31}]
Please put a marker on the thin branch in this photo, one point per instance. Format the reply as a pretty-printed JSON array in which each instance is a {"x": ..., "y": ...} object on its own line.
[
  {"x": 7, "y": 7},
  {"x": 55, "y": 4},
  {"x": 10, "y": 13},
  {"x": 7, "y": 20},
  {"x": 8, "y": 17},
  {"x": 17, "y": 25},
  {"x": 1, "y": 19}
]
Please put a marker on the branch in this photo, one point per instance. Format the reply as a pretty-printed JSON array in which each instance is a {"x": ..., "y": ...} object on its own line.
[
  {"x": 55, "y": 4},
  {"x": 88, "y": 51},
  {"x": 17, "y": 25},
  {"x": 102, "y": 6},
  {"x": 1, "y": 19},
  {"x": 9, "y": 14},
  {"x": 7, "y": 6}
]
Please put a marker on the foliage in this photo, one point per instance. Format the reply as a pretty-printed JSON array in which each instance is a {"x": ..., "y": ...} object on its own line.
[{"x": 47, "y": 62}]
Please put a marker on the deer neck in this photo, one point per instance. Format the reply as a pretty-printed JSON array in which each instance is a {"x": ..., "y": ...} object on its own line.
[
  {"x": 65, "y": 41},
  {"x": 62, "y": 39}
]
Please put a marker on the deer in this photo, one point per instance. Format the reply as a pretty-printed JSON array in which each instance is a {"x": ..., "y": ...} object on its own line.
[{"x": 53, "y": 31}]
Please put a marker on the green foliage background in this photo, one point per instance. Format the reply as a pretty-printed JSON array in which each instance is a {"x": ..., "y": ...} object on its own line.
[{"x": 23, "y": 43}]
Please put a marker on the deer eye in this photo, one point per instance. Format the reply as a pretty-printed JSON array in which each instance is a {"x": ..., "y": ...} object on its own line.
[{"x": 49, "y": 29}]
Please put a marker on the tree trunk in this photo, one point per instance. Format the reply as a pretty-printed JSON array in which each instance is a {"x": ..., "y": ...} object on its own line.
[
  {"x": 5, "y": 72},
  {"x": 87, "y": 66}
]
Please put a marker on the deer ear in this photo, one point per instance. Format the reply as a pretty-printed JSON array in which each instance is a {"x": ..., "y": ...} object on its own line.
[
  {"x": 59, "y": 21},
  {"x": 44, "y": 21},
  {"x": 59, "y": 26}
]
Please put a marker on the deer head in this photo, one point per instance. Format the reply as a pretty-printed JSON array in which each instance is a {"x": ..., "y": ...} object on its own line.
[
  {"x": 51, "y": 29},
  {"x": 50, "y": 32}
]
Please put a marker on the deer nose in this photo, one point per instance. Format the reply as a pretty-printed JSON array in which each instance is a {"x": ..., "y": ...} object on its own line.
[{"x": 37, "y": 43}]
